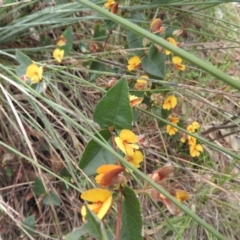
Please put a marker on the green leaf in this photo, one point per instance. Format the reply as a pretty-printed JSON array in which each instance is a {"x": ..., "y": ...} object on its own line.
[
  {"x": 131, "y": 216},
  {"x": 95, "y": 155},
  {"x": 96, "y": 66},
  {"x": 38, "y": 187},
  {"x": 152, "y": 68},
  {"x": 68, "y": 34},
  {"x": 134, "y": 41},
  {"x": 51, "y": 199},
  {"x": 157, "y": 58},
  {"x": 100, "y": 33},
  {"x": 114, "y": 109},
  {"x": 45, "y": 40},
  {"x": 24, "y": 61},
  {"x": 40, "y": 87},
  {"x": 83, "y": 47},
  {"x": 8, "y": 171},
  {"x": 93, "y": 226},
  {"x": 29, "y": 224}
]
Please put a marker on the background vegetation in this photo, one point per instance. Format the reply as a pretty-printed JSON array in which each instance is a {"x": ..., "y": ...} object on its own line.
[{"x": 45, "y": 128}]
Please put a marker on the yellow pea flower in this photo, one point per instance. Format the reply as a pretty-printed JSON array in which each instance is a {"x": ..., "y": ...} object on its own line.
[
  {"x": 127, "y": 142},
  {"x": 61, "y": 41},
  {"x": 195, "y": 150},
  {"x": 181, "y": 195},
  {"x": 34, "y": 72},
  {"x": 191, "y": 140},
  {"x": 133, "y": 63},
  {"x": 134, "y": 100},
  {"x": 136, "y": 159},
  {"x": 173, "y": 42},
  {"x": 170, "y": 129},
  {"x": 109, "y": 4},
  {"x": 196, "y": 125},
  {"x": 177, "y": 62},
  {"x": 101, "y": 201},
  {"x": 109, "y": 175},
  {"x": 170, "y": 102},
  {"x": 58, "y": 54},
  {"x": 156, "y": 25}
]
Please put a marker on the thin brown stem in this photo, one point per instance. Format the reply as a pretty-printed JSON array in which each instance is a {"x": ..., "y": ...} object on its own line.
[{"x": 119, "y": 214}]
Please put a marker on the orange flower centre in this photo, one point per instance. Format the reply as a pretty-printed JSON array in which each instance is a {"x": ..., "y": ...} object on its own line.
[
  {"x": 98, "y": 207},
  {"x": 129, "y": 159}
]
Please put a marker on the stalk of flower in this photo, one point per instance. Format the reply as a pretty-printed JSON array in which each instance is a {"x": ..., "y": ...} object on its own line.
[
  {"x": 170, "y": 102},
  {"x": 109, "y": 174},
  {"x": 133, "y": 63},
  {"x": 34, "y": 72},
  {"x": 177, "y": 62},
  {"x": 101, "y": 201},
  {"x": 173, "y": 42},
  {"x": 127, "y": 142},
  {"x": 58, "y": 54}
]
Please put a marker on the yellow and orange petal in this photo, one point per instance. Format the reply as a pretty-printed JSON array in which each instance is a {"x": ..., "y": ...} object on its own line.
[
  {"x": 190, "y": 128},
  {"x": 127, "y": 142},
  {"x": 195, "y": 150},
  {"x": 181, "y": 195},
  {"x": 174, "y": 120},
  {"x": 171, "y": 130},
  {"x": 134, "y": 100},
  {"x": 136, "y": 159},
  {"x": 177, "y": 62},
  {"x": 108, "y": 175},
  {"x": 114, "y": 8},
  {"x": 109, "y": 4},
  {"x": 161, "y": 173},
  {"x": 173, "y": 42},
  {"x": 133, "y": 63},
  {"x": 58, "y": 54},
  {"x": 196, "y": 125},
  {"x": 191, "y": 140},
  {"x": 34, "y": 72},
  {"x": 96, "y": 195},
  {"x": 61, "y": 41},
  {"x": 156, "y": 25},
  {"x": 170, "y": 102},
  {"x": 101, "y": 202}
]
